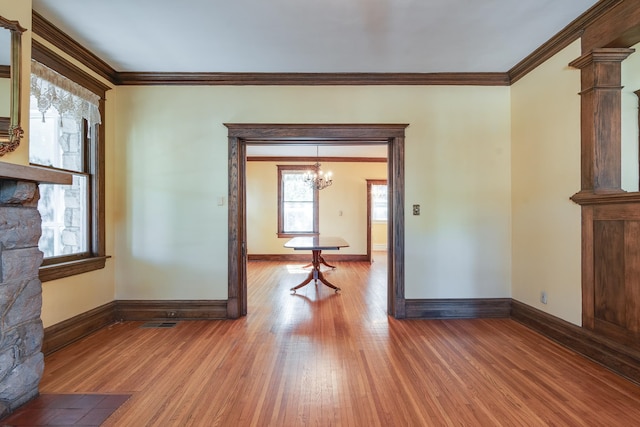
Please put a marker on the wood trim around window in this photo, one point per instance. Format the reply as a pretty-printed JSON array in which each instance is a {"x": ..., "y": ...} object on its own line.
[
  {"x": 95, "y": 259},
  {"x": 316, "y": 223}
]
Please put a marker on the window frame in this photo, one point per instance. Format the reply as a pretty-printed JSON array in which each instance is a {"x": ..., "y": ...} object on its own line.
[
  {"x": 95, "y": 258},
  {"x": 316, "y": 205}
]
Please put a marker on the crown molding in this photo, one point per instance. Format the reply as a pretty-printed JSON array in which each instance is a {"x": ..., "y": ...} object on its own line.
[
  {"x": 312, "y": 79},
  {"x": 62, "y": 41},
  {"x": 569, "y": 34},
  {"x": 564, "y": 38}
]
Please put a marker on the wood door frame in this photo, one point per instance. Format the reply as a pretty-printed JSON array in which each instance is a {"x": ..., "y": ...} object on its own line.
[
  {"x": 242, "y": 134},
  {"x": 371, "y": 182}
]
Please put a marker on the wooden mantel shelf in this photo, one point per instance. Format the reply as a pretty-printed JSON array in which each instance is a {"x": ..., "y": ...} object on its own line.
[{"x": 33, "y": 173}]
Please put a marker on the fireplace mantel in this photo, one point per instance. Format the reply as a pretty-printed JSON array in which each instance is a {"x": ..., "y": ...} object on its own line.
[{"x": 16, "y": 172}]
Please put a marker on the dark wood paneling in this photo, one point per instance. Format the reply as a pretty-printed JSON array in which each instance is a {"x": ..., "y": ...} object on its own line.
[
  {"x": 64, "y": 333},
  {"x": 632, "y": 276},
  {"x": 458, "y": 308},
  {"x": 608, "y": 255},
  {"x": 623, "y": 360},
  {"x": 312, "y": 79},
  {"x": 5, "y": 71},
  {"x": 171, "y": 309}
]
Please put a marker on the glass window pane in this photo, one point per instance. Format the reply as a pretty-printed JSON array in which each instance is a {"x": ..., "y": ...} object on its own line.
[
  {"x": 297, "y": 217},
  {"x": 294, "y": 187},
  {"x": 379, "y": 202},
  {"x": 54, "y": 140},
  {"x": 64, "y": 218}
]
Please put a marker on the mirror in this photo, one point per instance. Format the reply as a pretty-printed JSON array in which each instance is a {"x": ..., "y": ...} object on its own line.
[{"x": 10, "y": 40}]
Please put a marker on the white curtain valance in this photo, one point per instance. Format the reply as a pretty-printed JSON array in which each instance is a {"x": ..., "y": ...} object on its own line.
[{"x": 52, "y": 89}]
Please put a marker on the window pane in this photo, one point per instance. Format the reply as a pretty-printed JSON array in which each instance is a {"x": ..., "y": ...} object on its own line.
[
  {"x": 295, "y": 189},
  {"x": 379, "y": 202},
  {"x": 64, "y": 218},
  {"x": 298, "y": 217},
  {"x": 55, "y": 141}
]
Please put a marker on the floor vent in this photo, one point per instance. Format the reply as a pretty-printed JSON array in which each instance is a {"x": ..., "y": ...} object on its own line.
[{"x": 159, "y": 325}]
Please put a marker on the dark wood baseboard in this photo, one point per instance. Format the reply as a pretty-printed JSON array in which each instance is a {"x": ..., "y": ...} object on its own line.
[
  {"x": 457, "y": 308},
  {"x": 171, "y": 309},
  {"x": 306, "y": 257},
  {"x": 618, "y": 358},
  {"x": 70, "y": 330}
]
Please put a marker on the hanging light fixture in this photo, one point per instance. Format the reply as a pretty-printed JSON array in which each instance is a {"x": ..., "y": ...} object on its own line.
[{"x": 316, "y": 178}]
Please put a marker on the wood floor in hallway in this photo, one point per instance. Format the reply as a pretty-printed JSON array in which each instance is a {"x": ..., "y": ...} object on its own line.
[{"x": 319, "y": 358}]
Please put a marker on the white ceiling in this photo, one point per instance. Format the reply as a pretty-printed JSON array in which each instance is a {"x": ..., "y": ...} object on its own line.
[
  {"x": 400, "y": 36},
  {"x": 416, "y": 36}
]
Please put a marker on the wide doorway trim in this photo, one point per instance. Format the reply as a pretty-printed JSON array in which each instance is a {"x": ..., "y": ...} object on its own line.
[{"x": 242, "y": 134}]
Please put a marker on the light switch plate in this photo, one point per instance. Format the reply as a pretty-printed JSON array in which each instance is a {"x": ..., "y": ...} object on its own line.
[{"x": 416, "y": 209}]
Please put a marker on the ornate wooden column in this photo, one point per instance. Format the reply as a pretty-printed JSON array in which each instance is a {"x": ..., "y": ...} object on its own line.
[{"x": 610, "y": 216}]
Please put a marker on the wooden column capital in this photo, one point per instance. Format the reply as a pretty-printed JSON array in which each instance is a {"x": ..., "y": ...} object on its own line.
[{"x": 601, "y": 118}]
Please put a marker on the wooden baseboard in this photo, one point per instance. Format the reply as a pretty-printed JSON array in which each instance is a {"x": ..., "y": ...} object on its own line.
[
  {"x": 618, "y": 358},
  {"x": 70, "y": 330},
  {"x": 457, "y": 308},
  {"x": 171, "y": 309},
  {"x": 306, "y": 257}
]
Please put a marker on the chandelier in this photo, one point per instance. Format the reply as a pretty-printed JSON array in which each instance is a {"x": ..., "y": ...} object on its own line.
[{"x": 316, "y": 178}]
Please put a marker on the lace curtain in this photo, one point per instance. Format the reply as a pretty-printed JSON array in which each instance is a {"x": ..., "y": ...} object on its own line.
[{"x": 52, "y": 89}]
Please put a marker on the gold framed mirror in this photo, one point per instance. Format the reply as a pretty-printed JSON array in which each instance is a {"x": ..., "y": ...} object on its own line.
[{"x": 10, "y": 60}]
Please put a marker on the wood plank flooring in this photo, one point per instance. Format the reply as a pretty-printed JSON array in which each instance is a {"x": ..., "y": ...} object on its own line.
[{"x": 325, "y": 359}]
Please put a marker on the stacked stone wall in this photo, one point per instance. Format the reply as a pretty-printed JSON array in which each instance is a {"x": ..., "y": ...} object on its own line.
[{"x": 21, "y": 332}]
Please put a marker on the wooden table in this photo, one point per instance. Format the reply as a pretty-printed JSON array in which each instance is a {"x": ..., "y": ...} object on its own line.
[{"x": 316, "y": 244}]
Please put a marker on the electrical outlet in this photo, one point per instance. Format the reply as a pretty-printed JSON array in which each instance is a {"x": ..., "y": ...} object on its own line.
[
  {"x": 543, "y": 297},
  {"x": 416, "y": 209}
]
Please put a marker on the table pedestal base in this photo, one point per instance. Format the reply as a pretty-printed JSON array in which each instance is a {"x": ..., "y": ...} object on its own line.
[{"x": 316, "y": 274}]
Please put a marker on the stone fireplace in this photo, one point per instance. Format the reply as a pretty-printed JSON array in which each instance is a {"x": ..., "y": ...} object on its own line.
[{"x": 21, "y": 331}]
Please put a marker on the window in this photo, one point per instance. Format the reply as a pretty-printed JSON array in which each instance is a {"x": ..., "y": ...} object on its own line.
[
  {"x": 65, "y": 134},
  {"x": 297, "y": 202},
  {"x": 378, "y": 202}
]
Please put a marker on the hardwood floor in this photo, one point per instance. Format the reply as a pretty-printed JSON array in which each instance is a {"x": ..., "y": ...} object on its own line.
[{"x": 326, "y": 359}]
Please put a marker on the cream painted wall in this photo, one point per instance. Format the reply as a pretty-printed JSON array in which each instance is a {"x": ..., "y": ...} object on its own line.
[
  {"x": 545, "y": 108},
  {"x": 171, "y": 155},
  {"x": 630, "y": 83},
  {"x": 348, "y": 195},
  {"x": 21, "y": 11},
  {"x": 378, "y": 235}
]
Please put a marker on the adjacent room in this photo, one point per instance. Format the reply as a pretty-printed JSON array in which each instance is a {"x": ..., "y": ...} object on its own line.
[{"x": 363, "y": 213}]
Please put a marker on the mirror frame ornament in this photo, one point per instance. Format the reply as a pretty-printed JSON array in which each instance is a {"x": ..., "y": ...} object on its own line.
[{"x": 10, "y": 139}]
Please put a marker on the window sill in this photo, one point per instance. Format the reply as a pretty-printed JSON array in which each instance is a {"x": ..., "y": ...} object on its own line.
[{"x": 71, "y": 268}]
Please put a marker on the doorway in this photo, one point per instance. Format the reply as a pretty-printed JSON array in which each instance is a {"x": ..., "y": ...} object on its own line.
[
  {"x": 377, "y": 216},
  {"x": 240, "y": 135}
]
